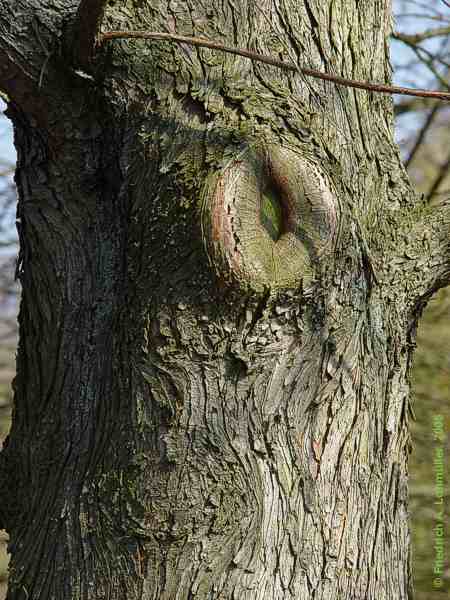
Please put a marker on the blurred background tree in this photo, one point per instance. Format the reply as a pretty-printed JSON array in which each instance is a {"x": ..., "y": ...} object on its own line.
[
  {"x": 8, "y": 299},
  {"x": 420, "y": 53}
]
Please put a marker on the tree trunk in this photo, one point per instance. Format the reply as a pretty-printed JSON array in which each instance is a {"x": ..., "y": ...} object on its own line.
[{"x": 222, "y": 267}]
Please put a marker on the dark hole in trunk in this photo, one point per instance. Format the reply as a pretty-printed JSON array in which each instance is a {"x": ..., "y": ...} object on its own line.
[{"x": 272, "y": 212}]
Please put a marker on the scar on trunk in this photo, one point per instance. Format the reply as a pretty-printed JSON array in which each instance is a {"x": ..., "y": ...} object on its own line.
[{"x": 268, "y": 218}]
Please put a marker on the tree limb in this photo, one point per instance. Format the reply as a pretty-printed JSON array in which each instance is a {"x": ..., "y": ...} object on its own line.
[
  {"x": 424, "y": 257},
  {"x": 438, "y": 225},
  {"x": 29, "y": 39},
  {"x": 84, "y": 35},
  {"x": 204, "y": 43}
]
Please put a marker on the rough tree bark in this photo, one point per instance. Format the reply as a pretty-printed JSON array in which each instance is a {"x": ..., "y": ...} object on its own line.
[{"x": 222, "y": 267}]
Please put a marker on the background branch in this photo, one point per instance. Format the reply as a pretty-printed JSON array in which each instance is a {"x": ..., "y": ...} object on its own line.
[
  {"x": 439, "y": 178},
  {"x": 421, "y": 136},
  {"x": 412, "y": 105},
  {"x": 416, "y": 38}
]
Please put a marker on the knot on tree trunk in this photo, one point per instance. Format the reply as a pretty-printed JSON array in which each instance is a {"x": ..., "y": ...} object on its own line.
[{"x": 268, "y": 218}]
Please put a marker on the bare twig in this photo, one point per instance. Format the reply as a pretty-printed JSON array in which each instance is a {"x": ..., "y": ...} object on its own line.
[
  {"x": 85, "y": 32},
  {"x": 204, "y": 43}
]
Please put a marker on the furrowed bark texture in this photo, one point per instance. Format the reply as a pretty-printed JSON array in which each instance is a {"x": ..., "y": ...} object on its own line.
[{"x": 222, "y": 269}]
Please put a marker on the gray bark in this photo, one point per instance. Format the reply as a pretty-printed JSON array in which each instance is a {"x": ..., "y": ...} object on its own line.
[{"x": 222, "y": 267}]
